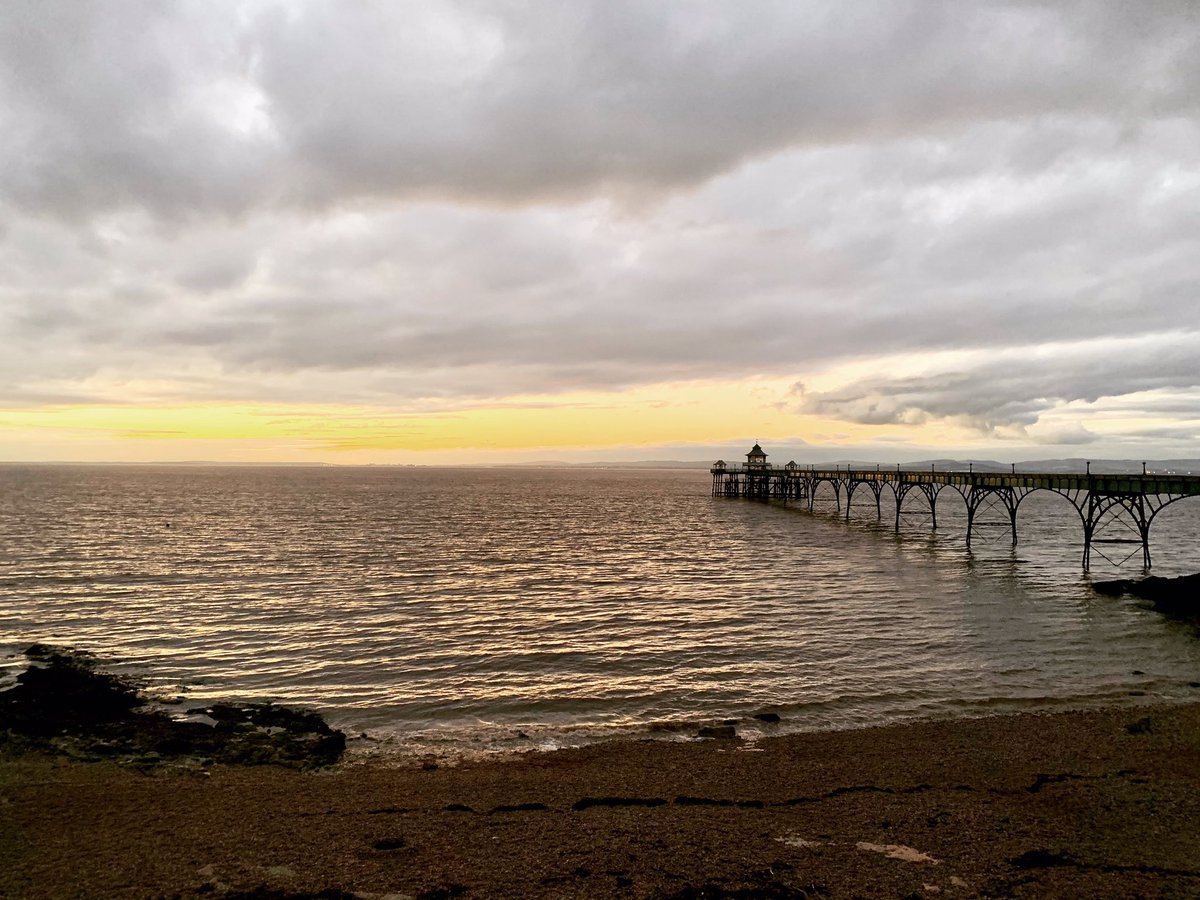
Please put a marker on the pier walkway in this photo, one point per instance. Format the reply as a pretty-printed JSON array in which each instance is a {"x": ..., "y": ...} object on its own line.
[{"x": 1122, "y": 505}]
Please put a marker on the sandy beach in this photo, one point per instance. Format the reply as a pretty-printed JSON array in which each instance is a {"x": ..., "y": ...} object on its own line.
[{"x": 1096, "y": 803}]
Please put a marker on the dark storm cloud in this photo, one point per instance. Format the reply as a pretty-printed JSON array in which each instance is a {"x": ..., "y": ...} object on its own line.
[{"x": 385, "y": 203}]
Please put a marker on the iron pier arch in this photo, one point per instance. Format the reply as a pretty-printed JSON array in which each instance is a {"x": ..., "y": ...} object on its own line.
[{"x": 1128, "y": 500}]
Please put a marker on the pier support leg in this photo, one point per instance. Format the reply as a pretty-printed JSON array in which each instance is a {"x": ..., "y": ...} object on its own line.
[
  {"x": 903, "y": 490},
  {"x": 1134, "y": 506},
  {"x": 982, "y": 498},
  {"x": 931, "y": 495}
]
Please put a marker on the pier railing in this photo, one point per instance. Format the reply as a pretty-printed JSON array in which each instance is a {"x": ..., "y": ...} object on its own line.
[{"x": 1107, "y": 504}]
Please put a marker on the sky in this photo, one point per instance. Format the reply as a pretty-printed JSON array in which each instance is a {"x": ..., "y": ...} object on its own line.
[{"x": 476, "y": 232}]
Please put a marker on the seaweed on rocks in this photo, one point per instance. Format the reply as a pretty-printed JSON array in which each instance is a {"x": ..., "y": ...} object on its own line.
[{"x": 62, "y": 703}]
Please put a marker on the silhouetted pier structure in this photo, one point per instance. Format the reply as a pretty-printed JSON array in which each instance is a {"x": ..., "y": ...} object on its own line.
[{"x": 1131, "y": 500}]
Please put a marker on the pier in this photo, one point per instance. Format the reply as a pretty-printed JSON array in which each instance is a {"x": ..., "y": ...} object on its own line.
[{"x": 1124, "y": 504}]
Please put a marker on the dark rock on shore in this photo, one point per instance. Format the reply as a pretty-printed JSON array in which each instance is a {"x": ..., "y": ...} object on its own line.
[
  {"x": 718, "y": 731},
  {"x": 61, "y": 703},
  {"x": 61, "y": 691},
  {"x": 1178, "y": 598}
]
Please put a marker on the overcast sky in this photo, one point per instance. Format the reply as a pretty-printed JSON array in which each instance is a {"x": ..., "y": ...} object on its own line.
[{"x": 888, "y": 225}]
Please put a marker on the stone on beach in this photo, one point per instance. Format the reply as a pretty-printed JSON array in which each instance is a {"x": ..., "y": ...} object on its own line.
[{"x": 897, "y": 851}]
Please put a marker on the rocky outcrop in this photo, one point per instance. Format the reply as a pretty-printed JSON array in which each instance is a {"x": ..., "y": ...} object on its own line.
[
  {"x": 64, "y": 704},
  {"x": 1178, "y": 598}
]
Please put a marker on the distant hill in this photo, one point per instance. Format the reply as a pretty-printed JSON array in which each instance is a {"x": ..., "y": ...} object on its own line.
[
  {"x": 1114, "y": 466},
  {"x": 637, "y": 464},
  {"x": 1049, "y": 466}
]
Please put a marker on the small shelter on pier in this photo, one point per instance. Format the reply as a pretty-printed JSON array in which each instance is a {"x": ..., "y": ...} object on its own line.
[{"x": 756, "y": 458}]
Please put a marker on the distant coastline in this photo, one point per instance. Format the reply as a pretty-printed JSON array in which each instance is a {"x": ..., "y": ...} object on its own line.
[{"x": 1058, "y": 465}]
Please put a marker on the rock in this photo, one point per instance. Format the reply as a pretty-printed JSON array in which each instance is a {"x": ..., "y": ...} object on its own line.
[
  {"x": 718, "y": 731},
  {"x": 897, "y": 851},
  {"x": 520, "y": 807},
  {"x": 1041, "y": 859},
  {"x": 768, "y": 717},
  {"x": 60, "y": 692},
  {"x": 1112, "y": 588},
  {"x": 1141, "y": 726},
  {"x": 61, "y": 702},
  {"x": 589, "y": 802},
  {"x": 1178, "y": 598},
  {"x": 391, "y": 843}
]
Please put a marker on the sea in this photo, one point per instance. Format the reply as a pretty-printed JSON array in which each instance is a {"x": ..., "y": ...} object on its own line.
[{"x": 455, "y": 612}]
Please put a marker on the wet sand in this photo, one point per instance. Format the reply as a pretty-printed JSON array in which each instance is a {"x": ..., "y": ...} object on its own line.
[{"x": 1096, "y": 804}]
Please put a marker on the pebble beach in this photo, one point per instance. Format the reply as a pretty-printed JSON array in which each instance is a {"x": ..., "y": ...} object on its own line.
[{"x": 1098, "y": 803}]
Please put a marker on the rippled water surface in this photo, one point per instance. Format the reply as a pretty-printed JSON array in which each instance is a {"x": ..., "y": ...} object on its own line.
[{"x": 503, "y": 608}]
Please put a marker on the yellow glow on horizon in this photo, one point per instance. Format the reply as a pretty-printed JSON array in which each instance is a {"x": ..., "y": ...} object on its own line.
[
  {"x": 663, "y": 415},
  {"x": 679, "y": 413}
]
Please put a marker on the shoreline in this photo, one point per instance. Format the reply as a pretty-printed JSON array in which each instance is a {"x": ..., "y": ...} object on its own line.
[
  {"x": 384, "y": 747},
  {"x": 1097, "y": 802}
]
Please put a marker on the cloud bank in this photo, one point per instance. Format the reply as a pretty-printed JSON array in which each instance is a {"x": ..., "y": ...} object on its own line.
[{"x": 417, "y": 205}]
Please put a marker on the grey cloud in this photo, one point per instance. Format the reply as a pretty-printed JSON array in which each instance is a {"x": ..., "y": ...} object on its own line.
[
  {"x": 562, "y": 100},
  {"x": 429, "y": 203},
  {"x": 1178, "y": 433},
  {"x": 215, "y": 274},
  {"x": 1181, "y": 405},
  {"x": 1069, "y": 435},
  {"x": 112, "y": 106},
  {"x": 1015, "y": 391},
  {"x": 488, "y": 302},
  {"x": 181, "y": 110}
]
